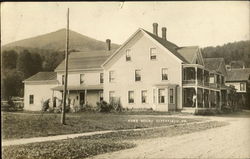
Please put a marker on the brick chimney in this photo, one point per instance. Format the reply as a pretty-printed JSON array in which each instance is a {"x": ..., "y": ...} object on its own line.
[
  {"x": 108, "y": 42},
  {"x": 155, "y": 29},
  {"x": 164, "y": 33}
]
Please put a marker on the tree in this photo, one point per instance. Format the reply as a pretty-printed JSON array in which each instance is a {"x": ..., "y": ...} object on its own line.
[
  {"x": 52, "y": 60},
  {"x": 24, "y": 63},
  {"x": 230, "y": 52},
  {"x": 12, "y": 83},
  {"x": 36, "y": 64},
  {"x": 9, "y": 59}
]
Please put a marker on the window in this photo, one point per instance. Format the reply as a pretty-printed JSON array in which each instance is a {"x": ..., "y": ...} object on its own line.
[
  {"x": 111, "y": 96},
  {"x": 128, "y": 57},
  {"x": 111, "y": 76},
  {"x": 144, "y": 96},
  {"x": 164, "y": 74},
  {"x": 130, "y": 96},
  {"x": 31, "y": 100},
  {"x": 101, "y": 77},
  {"x": 242, "y": 87},
  {"x": 81, "y": 78},
  {"x": 101, "y": 95},
  {"x": 161, "y": 95},
  {"x": 171, "y": 96},
  {"x": 153, "y": 53},
  {"x": 63, "y": 77},
  {"x": 137, "y": 75},
  {"x": 211, "y": 78}
]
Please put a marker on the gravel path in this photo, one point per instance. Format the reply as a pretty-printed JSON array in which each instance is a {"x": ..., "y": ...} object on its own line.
[{"x": 232, "y": 141}]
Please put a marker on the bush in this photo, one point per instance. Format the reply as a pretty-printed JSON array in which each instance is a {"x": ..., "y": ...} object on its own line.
[
  {"x": 116, "y": 104},
  {"x": 45, "y": 105},
  {"x": 103, "y": 106},
  {"x": 88, "y": 108},
  {"x": 8, "y": 106}
]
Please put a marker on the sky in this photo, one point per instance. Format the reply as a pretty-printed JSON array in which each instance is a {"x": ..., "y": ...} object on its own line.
[{"x": 188, "y": 23}]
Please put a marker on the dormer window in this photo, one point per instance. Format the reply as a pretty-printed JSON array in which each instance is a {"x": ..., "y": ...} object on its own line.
[
  {"x": 128, "y": 57},
  {"x": 153, "y": 53}
]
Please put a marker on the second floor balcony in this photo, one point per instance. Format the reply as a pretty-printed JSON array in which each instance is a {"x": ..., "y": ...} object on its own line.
[{"x": 195, "y": 75}]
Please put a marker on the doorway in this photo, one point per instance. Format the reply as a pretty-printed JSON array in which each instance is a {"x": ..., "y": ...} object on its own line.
[{"x": 82, "y": 98}]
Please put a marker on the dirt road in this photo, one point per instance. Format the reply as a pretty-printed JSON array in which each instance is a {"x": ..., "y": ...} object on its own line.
[{"x": 232, "y": 141}]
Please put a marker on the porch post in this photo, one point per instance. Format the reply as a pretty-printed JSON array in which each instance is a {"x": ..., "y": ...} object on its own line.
[
  {"x": 85, "y": 97},
  {"x": 203, "y": 98},
  {"x": 220, "y": 103},
  {"x": 203, "y": 78},
  {"x": 209, "y": 99},
  {"x": 196, "y": 91},
  {"x": 52, "y": 94},
  {"x": 196, "y": 76}
]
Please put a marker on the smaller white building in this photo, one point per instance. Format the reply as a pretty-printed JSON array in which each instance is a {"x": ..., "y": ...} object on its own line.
[{"x": 38, "y": 88}]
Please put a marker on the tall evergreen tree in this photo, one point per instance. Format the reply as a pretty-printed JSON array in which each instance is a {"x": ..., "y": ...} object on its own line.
[
  {"x": 24, "y": 63},
  {"x": 9, "y": 59}
]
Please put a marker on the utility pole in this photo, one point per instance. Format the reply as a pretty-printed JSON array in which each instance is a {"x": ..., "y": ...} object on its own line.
[{"x": 66, "y": 71}]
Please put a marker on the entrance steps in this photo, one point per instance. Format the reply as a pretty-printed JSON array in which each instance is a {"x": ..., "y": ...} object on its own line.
[{"x": 188, "y": 110}]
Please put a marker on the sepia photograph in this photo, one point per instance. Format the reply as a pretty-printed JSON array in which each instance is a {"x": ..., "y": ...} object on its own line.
[{"x": 125, "y": 80}]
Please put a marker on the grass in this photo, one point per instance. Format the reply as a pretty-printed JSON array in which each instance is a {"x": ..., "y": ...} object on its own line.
[
  {"x": 87, "y": 146},
  {"x": 25, "y": 125}
]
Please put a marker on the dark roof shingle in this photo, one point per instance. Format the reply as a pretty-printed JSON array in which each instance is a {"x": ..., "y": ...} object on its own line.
[
  {"x": 42, "y": 76},
  {"x": 213, "y": 63},
  {"x": 183, "y": 53},
  {"x": 188, "y": 53},
  {"x": 85, "y": 60},
  {"x": 238, "y": 75}
]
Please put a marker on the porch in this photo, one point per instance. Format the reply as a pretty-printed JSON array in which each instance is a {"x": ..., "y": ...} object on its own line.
[
  {"x": 196, "y": 75},
  {"x": 201, "y": 98},
  {"x": 80, "y": 95}
]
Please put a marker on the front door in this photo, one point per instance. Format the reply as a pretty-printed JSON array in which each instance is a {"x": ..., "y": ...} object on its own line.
[{"x": 82, "y": 98}]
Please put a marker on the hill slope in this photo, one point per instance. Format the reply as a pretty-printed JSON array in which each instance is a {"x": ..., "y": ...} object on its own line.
[
  {"x": 236, "y": 51},
  {"x": 56, "y": 41}
]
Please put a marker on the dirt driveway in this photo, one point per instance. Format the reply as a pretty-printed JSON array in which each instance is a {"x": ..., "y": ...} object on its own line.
[{"x": 232, "y": 141}]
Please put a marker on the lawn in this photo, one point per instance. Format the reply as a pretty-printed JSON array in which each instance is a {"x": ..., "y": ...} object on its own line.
[
  {"x": 25, "y": 125},
  {"x": 87, "y": 146}
]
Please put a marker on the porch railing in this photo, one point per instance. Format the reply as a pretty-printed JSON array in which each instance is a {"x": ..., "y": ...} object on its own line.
[
  {"x": 188, "y": 81},
  {"x": 214, "y": 85}
]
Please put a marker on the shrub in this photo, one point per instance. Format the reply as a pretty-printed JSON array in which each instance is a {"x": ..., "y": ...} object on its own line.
[
  {"x": 8, "y": 106},
  {"x": 88, "y": 108},
  {"x": 117, "y": 106},
  {"x": 45, "y": 105},
  {"x": 58, "y": 109},
  {"x": 103, "y": 106}
]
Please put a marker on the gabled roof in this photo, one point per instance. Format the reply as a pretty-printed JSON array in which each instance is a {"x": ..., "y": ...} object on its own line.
[
  {"x": 188, "y": 52},
  {"x": 85, "y": 60},
  {"x": 168, "y": 45},
  {"x": 42, "y": 76},
  {"x": 238, "y": 75},
  {"x": 182, "y": 53},
  {"x": 213, "y": 64}
]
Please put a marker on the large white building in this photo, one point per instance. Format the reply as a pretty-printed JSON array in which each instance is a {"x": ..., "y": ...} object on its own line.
[{"x": 146, "y": 72}]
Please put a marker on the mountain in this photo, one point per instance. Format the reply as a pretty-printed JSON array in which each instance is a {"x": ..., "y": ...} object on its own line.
[
  {"x": 231, "y": 52},
  {"x": 55, "y": 41}
]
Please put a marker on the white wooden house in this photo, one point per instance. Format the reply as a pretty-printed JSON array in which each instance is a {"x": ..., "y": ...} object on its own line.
[{"x": 146, "y": 72}]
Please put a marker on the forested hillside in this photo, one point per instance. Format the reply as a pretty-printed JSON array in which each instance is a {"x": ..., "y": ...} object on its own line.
[
  {"x": 230, "y": 52},
  {"x": 24, "y": 58}
]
